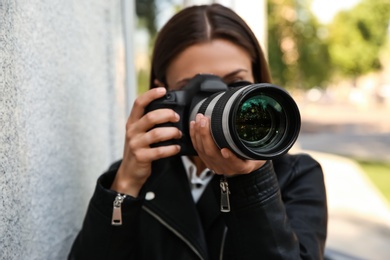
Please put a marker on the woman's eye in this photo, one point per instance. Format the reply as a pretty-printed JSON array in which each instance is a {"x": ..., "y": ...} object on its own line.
[
  {"x": 232, "y": 81},
  {"x": 238, "y": 83}
]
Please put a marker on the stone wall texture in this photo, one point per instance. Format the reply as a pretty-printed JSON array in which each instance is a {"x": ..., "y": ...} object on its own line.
[{"x": 62, "y": 114}]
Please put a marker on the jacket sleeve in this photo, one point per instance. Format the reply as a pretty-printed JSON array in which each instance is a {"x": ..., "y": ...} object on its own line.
[
  {"x": 278, "y": 217},
  {"x": 98, "y": 239}
]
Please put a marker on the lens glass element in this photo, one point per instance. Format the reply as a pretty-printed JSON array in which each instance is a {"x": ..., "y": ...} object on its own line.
[{"x": 259, "y": 120}]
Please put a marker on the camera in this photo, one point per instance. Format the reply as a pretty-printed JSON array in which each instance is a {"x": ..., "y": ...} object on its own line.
[{"x": 255, "y": 121}]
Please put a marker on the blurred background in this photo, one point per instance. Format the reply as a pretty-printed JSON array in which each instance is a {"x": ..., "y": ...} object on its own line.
[
  {"x": 70, "y": 70},
  {"x": 334, "y": 58}
]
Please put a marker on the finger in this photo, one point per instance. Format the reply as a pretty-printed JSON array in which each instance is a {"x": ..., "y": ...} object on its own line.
[
  {"x": 151, "y": 119},
  {"x": 155, "y": 117},
  {"x": 197, "y": 139},
  {"x": 226, "y": 153},
  {"x": 205, "y": 138},
  {"x": 143, "y": 100},
  {"x": 152, "y": 154},
  {"x": 156, "y": 135}
]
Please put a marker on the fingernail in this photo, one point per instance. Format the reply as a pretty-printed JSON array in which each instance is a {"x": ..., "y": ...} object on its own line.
[
  {"x": 160, "y": 90},
  {"x": 225, "y": 154},
  {"x": 203, "y": 122}
]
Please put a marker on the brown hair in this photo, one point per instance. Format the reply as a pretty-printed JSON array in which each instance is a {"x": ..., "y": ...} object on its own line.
[{"x": 204, "y": 23}]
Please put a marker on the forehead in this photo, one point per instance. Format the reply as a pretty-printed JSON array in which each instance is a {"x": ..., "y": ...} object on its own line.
[{"x": 218, "y": 57}]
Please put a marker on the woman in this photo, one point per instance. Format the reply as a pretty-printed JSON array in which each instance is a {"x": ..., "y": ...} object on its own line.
[{"x": 155, "y": 204}]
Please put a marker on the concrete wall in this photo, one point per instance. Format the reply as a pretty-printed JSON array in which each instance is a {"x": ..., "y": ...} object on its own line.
[{"x": 62, "y": 114}]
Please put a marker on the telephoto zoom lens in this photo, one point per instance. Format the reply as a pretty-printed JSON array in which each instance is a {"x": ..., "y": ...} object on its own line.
[{"x": 257, "y": 121}]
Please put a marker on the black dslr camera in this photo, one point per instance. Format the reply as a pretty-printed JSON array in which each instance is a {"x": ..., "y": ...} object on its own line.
[{"x": 255, "y": 121}]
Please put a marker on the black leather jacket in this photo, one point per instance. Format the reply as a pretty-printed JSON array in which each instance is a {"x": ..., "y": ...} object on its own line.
[{"x": 277, "y": 212}]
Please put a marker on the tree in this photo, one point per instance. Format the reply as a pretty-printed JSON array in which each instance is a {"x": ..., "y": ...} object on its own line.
[
  {"x": 146, "y": 11},
  {"x": 357, "y": 36},
  {"x": 298, "y": 56}
]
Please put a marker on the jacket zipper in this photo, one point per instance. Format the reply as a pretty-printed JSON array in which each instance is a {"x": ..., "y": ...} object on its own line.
[
  {"x": 223, "y": 243},
  {"x": 159, "y": 219},
  {"x": 225, "y": 207},
  {"x": 225, "y": 203},
  {"x": 117, "y": 210}
]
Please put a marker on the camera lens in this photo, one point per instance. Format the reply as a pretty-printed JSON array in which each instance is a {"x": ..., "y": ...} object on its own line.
[{"x": 258, "y": 121}]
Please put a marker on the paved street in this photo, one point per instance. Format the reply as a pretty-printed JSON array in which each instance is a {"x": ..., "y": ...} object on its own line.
[
  {"x": 372, "y": 147},
  {"x": 345, "y": 130},
  {"x": 359, "y": 216}
]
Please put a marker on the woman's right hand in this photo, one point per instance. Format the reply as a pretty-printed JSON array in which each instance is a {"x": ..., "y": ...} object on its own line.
[{"x": 138, "y": 156}]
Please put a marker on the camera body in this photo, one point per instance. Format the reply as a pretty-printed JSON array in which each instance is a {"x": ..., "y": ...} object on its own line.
[
  {"x": 255, "y": 121},
  {"x": 182, "y": 102}
]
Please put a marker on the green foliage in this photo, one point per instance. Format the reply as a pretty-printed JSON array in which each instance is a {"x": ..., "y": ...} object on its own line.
[
  {"x": 146, "y": 11},
  {"x": 298, "y": 56},
  {"x": 143, "y": 81},
  {"x": 303, "y": 53},
  {"x": 379, "y": 173},
  {"x": 356, "y": 37}
]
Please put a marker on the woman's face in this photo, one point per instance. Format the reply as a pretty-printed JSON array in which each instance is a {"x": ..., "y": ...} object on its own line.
[{"x": 218, "y": 57}]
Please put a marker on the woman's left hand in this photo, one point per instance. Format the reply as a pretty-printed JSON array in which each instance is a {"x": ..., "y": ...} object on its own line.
[{"x": 221, "y": 161}]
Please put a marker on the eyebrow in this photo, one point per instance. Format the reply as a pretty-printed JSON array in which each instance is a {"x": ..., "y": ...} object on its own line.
[
  {"x": 234, "y": 73},
  {"x": 230, "y": 74}
]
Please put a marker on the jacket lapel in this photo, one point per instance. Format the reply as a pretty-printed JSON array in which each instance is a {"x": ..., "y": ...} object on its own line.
[{"x": 173, "y": 203}]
